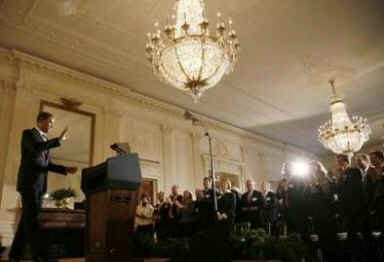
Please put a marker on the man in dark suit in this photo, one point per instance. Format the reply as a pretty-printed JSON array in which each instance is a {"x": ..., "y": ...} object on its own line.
[
  {"x": 32, "y": 184},
  {"x": 252, "y": 204},
  {"x": 206, "y": 214},
  {"x": 352, "y": 203},
  {"x": 352, "y": 197}
]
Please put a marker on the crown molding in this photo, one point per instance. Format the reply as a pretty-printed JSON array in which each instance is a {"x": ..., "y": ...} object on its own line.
[{"x": 21, "y": 59}]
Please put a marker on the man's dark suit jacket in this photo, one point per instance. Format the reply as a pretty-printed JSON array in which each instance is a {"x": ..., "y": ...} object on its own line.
[
  {"x": 351, "y": 190},
  {"x": 35, "y": 162},
  {"x": 352, "y": 198},
  {"x": 256, "y": 202}
]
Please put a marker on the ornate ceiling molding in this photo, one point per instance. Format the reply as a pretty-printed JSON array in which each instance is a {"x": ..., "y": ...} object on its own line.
[{"x": 111, "y": 58}]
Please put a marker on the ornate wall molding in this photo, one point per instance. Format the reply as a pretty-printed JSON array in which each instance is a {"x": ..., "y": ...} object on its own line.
[
  {"x": 221, "y": 161},
  {"x": 166, "y": 129},
  {"x": 224, "y": 166},
  {"x": 150, "y": 169}
]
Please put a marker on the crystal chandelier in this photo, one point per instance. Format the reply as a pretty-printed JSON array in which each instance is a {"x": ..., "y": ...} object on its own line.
[
  {"x": 340, "y": 134},
  {"x": 186, "y": 55}
]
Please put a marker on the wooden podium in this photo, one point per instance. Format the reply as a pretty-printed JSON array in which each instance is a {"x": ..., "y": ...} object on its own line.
[{"x": 112, "y": 196}]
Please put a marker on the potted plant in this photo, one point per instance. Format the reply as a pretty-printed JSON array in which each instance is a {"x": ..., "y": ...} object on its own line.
[{"x": 64, "y": 198}]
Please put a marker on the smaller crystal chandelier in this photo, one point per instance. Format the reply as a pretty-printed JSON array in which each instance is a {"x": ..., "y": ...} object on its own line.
[
  {"x": 187, "y": 55},
  {"x": 340, "y": 134}
]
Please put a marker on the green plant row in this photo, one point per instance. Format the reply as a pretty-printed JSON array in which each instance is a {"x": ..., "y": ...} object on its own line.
[{"x": 250, "y": 245}]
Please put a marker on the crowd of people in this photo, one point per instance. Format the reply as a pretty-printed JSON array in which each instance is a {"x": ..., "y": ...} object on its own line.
[
  {"x": 180, "y": 215},
  {"x": 327, "y": 208}
]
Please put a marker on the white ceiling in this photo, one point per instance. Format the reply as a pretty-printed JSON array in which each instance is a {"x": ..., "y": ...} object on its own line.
[{"x": 290, "y": 48}]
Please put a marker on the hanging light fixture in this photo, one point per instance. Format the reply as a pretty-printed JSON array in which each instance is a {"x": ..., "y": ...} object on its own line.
[
  {"x": 341, "y": 134},
  {"x": 186, "y": 55}
]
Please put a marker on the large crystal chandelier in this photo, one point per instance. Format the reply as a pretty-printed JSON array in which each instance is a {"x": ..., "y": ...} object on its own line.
[
  {"x": 186, "y": 55},
  {"x": 341, "y": 134}
]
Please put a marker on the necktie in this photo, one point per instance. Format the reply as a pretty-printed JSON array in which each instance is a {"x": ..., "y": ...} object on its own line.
[{"x": 45, "y": 139}]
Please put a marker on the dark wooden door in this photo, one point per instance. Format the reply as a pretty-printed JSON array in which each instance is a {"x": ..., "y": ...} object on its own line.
[{"x": 148, "y": 187}]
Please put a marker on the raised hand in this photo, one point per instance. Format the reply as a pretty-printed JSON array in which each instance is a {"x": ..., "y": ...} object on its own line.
[
  {"x": 72, "y": 170},
  {"x": 63, "y": 135}
]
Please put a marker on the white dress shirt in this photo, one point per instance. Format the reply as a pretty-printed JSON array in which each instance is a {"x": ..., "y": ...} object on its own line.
[{"x": 42, "y": 134}]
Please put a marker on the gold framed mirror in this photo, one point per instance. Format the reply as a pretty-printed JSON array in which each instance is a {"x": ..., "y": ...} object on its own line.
[{"x": 77, "y": 150}]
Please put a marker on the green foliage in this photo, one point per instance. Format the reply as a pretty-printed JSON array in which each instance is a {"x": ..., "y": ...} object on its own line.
[
  {"x": 144, "y": 245},
  {"x": 63, "y": 193},
  {"x": 291, "y": 249},
  {"x": 173, "y": 248},
  {"x": 246, "y": 245},
  {"x": 257, "y": 244}
]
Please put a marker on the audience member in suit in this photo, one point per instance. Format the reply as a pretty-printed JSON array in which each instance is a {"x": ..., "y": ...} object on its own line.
[
  {"x": 174, "y": 212},
  {"x": 160, "y": 200},
  {"x": 318, "y": 195},
  {"x": 163, "y": 225},
  {"x": 207, "y": 187},
  {"x": 236, "y": 191},
  {"x": 213, "y": 243},
  {"x": 321, "y": 215},
  {"x": 352, "y": 197},
  {"x": 188, "y": 216},
  {"x": 292, "y": 191},
  {"x": 252, "y": 205},
  {"x": 271, "y": 208},
  {"x": 352, "y": 201},
  {"x": 206, "y": 214},
  {"x": 377, "y": 160},
  {"x": 370, "y": 179},
  {"x": 32, "y": 183}
]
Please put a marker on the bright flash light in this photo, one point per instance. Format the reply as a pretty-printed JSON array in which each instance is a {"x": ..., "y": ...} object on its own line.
[{"x": 300, "y": 169}]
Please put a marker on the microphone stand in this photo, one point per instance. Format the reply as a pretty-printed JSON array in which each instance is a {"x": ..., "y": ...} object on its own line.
[
  {"x": 196, "y": 122},
  {"x": 214, "y": 196}
]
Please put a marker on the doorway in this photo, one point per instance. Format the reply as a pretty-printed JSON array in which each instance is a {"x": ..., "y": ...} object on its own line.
[{"x": 149, "y": 187}]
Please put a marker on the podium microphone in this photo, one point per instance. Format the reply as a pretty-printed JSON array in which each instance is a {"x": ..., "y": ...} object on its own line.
[{"x": 117, "y": 149}]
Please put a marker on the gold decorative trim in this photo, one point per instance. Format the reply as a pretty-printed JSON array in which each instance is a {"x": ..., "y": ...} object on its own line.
[{"x": 70, "y": 103}]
